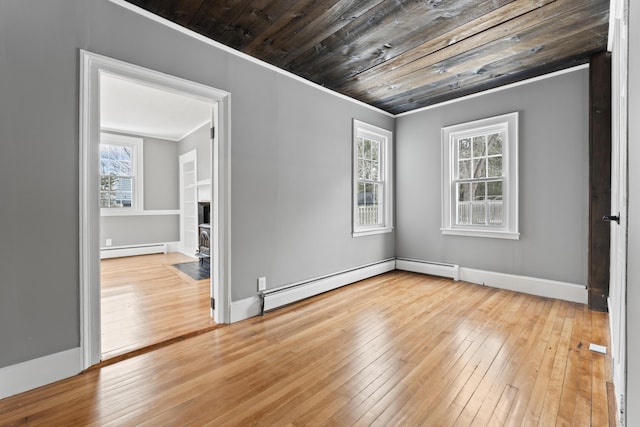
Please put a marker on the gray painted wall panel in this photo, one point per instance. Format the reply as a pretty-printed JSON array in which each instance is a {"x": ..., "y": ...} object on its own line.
[
  {"x": 553, "y": 165},
  {"x": 139, "y": 229},
  {"x": 39, "y": 50},
  {"x": 161, "y": 174}
]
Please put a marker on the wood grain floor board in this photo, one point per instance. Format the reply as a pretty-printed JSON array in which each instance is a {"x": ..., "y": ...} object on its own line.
[{"x": 399, "y": 349}]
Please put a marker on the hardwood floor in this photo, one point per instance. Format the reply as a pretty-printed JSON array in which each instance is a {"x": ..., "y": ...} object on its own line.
[
  {"x": 146, "y": 301},
  {"x": 398, "y": 349}
]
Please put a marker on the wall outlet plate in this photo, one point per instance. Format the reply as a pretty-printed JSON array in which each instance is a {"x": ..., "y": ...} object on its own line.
[
  {"x": 108, "y": 242},
  {"x": 262, "y": 283}
]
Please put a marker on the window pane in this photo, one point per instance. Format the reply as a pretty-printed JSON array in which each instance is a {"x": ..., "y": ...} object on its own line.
[
  {"x": 478, "y": 213},
  {"x": 495, "y": 166},
  {"x": 375, "y": 149},
  {"x": 478, "y": 190},
  {"x": 374, "y": 171},
  {"x": 464, "y": 148},
  {"x": 104, "y": 183},
  {"x": 464, "y": 192},
  {"x": 464, "y": 214},
  {"x": 367, "y": 149},
  {"x": 479, "y": 146},
  {"x": 495, "y": 213},
  {"x": 494, "y": 190},
  {"x": 367, "y": 169},
  {"x": 360, "y": 169},
  {"x": 360, "y": 148},
  {"x": 361, "y": 195},
  {"x": 125, "y": 168},
  {"x": 464, "y": 169},
  {"x": 104, "y": 200},
  {"x": 114, "y": 182},
  {"x": 479, "y": 168},
  {"x": 495, "y": 143},
  {"x": 104, "y": 151}
]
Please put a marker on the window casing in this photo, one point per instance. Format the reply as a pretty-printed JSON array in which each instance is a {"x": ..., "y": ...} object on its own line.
[
  {"x": 372, "y": 186},
  {"x": 121, "y": 174},
  {"x": 480, "y": 178}
]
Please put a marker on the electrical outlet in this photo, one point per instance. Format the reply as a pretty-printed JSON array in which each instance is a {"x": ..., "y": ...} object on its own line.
[
  {"x": 108, "y": 242},
  {"x": 262, "y": 283}
]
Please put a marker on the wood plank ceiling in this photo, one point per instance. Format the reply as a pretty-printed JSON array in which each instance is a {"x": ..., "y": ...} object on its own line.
[{"x": 399, "y": 55}]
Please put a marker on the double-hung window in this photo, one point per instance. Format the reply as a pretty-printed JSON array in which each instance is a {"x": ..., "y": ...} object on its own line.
[
  {"x": 480, "y": 178},
  {"x": 372, "y": 189},
  {"x": 120, "y": 173}
]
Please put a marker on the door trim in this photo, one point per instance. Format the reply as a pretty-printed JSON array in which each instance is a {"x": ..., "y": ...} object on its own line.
[{"x": 91, "y": 66}]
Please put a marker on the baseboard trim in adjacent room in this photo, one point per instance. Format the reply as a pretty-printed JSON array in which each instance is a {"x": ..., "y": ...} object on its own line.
[
  {"x": 426, "y": 267},
  {"x": 133, "y": 250},
  {"x": 528, "y": 285},
  {"x": 35, "y": 373},
  {"x": 298, "y": 291}
]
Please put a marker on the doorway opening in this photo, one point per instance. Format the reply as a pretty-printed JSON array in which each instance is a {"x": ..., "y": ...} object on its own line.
[{"x": 141, "y": 222}]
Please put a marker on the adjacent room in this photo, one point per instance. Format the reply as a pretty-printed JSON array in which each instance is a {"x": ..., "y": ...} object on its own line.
[{"x": 319, "y": 213}]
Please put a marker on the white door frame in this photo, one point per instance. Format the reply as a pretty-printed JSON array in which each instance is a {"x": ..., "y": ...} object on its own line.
[
  {"x": 91, "y": 66},
  {"x": 618, "y": 45}
]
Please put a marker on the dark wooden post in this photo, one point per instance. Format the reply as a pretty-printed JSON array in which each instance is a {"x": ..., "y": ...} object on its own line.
[{"x": 599, "y": 179}]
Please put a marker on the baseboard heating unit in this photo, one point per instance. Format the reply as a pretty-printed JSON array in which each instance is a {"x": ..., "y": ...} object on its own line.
[
  {"x": 122, "y": 251},
  {"x": 451, "y": 271},
  {"x": 288, "y": 294}
]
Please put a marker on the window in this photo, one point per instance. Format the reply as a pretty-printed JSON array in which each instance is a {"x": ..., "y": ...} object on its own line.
[
  {"x": 372, "y": 189},
  {"x": 480, "y": 178},
  {"x": 120, "y": 173}
]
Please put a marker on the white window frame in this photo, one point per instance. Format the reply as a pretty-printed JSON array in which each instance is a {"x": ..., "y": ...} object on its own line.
[
  {"x": 450, "y": 135},
  {"x": 136, "y": 145},
  {"x": 385, "y": 137}
]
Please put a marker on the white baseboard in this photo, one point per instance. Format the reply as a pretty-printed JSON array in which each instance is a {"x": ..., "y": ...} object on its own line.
[
  {"x": 244, "y": 309},
  {"x": 528, "y": 285},
  {"x": 35, "y": 373},
  {"x": 427, "y": 267},
  {"x": 296, "y": 292},
  {"x": 133, "y": 250}
]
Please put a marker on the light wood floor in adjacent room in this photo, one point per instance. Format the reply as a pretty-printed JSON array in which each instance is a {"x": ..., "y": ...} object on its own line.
[
  {"x": 398, "y": 349},
  {"x": 146, "y": 301}
]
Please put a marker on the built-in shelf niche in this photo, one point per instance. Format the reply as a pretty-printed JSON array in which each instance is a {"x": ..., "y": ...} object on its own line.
[{"x": 204, "y": 190}]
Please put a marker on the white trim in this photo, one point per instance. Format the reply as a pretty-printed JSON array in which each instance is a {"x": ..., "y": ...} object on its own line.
[
  {"x": 137, "y": 145},
  {"x": 227, "y": 49},
  {"x": 385, "y": 137},
  {"x": 497, "y": 89},
  {"x": 134, "y": 250},
  {"x": 150, "y": 212},
  {"x": 481, "y": 233},
  {"x": 208, "y": 122},
  {"x": 140, "y": 134},
  {"x": 528, "y": 285},
  {"x": 507, "y": 124},
  {"x": 44, "y": 370},
  {"x": 427, "y": 267},
  {"x": 91, "y": 65},
  {"x": 275, "y": 298},
  {"x": 244, "y": 309}
]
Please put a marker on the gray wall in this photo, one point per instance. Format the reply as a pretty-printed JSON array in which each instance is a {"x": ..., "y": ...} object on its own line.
[
  {"x": 160, "y": 166},
  {"x": 553, "y": 164},
  {"x": 291, "y": 169},
  {"x": 199, "y": 140},
  {"x": 633, "y": 267}
]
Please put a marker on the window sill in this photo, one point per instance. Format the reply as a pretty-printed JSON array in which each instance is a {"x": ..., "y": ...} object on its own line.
[
  {"x": 372, "y": 231},
  {"x": 135, "y": 212},
  {"x": 510, "y": 235}
]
